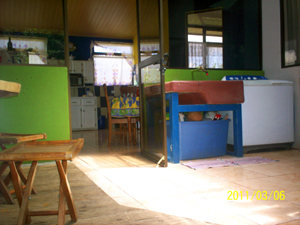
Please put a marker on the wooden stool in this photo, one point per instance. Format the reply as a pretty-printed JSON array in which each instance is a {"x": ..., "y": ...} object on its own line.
[
  {"x": 6, "y": 138},
  {"x": 60, "y": 152}
]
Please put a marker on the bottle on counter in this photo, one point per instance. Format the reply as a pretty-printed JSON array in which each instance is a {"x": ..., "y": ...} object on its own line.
[{"x": 9, "y": 44}]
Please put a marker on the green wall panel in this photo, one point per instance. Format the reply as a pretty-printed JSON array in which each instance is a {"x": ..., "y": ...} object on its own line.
[
  {"x": 187, "y": 74},
  {"x": 42, "y": 105}
]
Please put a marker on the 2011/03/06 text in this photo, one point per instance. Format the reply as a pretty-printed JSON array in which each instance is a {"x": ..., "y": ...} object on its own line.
[{"x": 259, "y": 195}]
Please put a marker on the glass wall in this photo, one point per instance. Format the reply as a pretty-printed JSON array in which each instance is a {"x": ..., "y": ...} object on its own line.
[
  {"x": 290, "y": 33},
  {"x": 151, "y": 77},
  {"x": 205, "y": 39}
]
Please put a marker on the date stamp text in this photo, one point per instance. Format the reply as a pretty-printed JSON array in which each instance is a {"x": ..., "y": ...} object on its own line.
[{"x": 258, "y": 195}]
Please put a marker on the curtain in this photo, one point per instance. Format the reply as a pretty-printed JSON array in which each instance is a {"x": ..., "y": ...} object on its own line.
[
  {"x": 195, "y": 55},
  {"x": 110, "y": 48},
  {"x": 213, "y": 55},
  {"x": 113, "y": 71}
]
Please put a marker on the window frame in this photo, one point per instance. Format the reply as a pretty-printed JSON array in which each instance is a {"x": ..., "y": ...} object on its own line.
[
  {"x": 110, "y": 55},
  {"x": 205, "y": 28},
  {"x": 205, "y": 44}
]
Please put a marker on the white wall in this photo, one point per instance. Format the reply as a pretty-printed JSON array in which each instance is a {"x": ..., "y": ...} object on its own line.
[{"x": 272, "y": 57}]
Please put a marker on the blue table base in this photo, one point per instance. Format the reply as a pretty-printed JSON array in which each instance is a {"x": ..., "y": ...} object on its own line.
[{"x": 175, "y": 108}]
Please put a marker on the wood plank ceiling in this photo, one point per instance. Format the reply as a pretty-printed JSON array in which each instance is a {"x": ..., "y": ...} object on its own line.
[
  {"x": 102, "y": 18},
  {"x": 91, "y": 18}
]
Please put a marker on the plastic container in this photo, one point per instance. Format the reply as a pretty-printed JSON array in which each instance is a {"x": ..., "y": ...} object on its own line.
[
  {"x": 201, "y": 139},
  {"x": 101, "y": 122}
]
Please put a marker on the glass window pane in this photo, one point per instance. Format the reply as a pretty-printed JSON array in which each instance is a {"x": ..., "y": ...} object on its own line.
[
  {"x": 152, "y": 116},
  {"x": 194, "y": 30},
  {"x": 205, "y": 39},
  {"x": 214, "y": 57},
  {"x": 214, "y": 39},
  {"x": 195, "y": 55},
  {"x": 122, "y": 49},
  {"x": 214, "y": 33},
  {"x": 195, "y": 38},
  {"x": 113, "y": 71},
  {"x": 208, "y": 19}
]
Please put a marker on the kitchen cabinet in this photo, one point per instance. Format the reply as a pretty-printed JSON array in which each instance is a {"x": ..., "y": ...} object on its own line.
[
  {"x": 52, "y": 62},
  {"x": 88, "y": 72},
  {"x": 84, "y": 67},
  {"x": 76, "y": 117},
  {"x": 76, "y": 66},
  {"x": 84, "y": 113},
  {"x": 56, "y": 62}
]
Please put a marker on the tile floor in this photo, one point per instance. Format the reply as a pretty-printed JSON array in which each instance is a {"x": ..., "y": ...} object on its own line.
[
  {"x": 200, "y": 195},
  {"x": 117, "y": 186}
]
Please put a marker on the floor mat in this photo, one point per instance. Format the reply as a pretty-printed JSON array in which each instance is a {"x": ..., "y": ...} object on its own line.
[
  {"x": 250, "y": 160},
  {"x": 205, "y": 164}
]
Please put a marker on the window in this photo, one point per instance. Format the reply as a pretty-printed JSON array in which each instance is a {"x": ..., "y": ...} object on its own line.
[
  {"x": 205, "y": 39},
  {"x": 25, "y": 50},
  {"x": 290, "y": 33},
  {"x": 113, "y": 64}
]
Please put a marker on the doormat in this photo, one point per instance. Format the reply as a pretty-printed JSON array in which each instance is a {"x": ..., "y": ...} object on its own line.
[
  {"x": 205, "y": 164},
  {"x": 250, "y": 160}
]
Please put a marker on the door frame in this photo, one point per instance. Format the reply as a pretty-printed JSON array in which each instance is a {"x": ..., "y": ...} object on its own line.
[{"x": 162, "y": 161}]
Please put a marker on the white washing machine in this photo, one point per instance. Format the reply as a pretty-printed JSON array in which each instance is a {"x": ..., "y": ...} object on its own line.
[{"x": 267, "y": 115}]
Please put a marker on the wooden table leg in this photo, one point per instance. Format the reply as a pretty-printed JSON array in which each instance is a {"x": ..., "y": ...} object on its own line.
[
  {"x": 23, "y": 214},
  {"x": 3, "y": 187},
  {"x": 22, "y": 175},
  {"x": 17, "y": 185},
  {"x": 129, "y": 128},
  {"x": 66, "y": 190},
  {"x": 61, "y": 204},
  {"x": 2, "y": 146}
]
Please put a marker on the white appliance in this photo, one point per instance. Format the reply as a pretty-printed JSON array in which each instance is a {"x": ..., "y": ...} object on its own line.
[{"x": 267, "y": 115}]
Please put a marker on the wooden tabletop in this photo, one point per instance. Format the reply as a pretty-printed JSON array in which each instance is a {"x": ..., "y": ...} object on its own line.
[
  {"x": 43, "y": 150},
  {"x": 8, "y": 138},
  {"x": 8, "y": 89}
]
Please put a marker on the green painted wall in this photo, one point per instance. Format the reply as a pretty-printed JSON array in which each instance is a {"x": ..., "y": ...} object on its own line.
[
  {"x": 42, "y": 105},
  {"x": 186, "y": 74}
]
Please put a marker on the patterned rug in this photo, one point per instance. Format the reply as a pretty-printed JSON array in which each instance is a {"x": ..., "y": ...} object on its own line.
[{"x": 205, "y": 164}]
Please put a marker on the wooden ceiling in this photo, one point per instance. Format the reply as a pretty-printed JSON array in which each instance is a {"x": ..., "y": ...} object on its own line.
[
  {"x": 102, "y": 18},
  {"x": 91, "y": 18}
]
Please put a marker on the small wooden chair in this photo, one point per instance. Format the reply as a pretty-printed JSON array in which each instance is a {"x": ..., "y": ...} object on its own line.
[
  {"x": 118, "y": 120},
  {"x": 130, "y": 91}
]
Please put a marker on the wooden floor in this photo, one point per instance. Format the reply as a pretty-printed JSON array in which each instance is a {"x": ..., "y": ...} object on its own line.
[{"x": 117, "y": 186}]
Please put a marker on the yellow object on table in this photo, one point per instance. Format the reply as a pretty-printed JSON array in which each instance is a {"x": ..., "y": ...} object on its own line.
[{"x": 125, "y": 106}]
